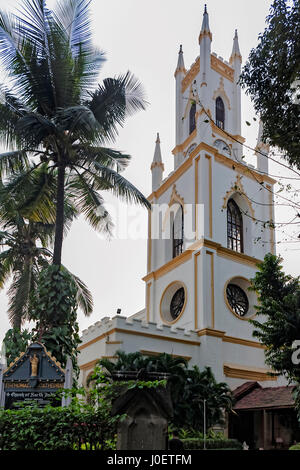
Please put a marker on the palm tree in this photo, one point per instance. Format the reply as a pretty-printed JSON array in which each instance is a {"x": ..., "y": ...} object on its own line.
[
  {"x": 55, "y": 110},
  {"x": 200, "y": 386},
  {"x": 26, "y": 238}
]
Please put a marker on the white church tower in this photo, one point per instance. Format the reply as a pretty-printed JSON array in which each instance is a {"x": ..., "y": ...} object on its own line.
[
  {"x": 205, "y": 238},
  {"x": 205, "y": 235}
]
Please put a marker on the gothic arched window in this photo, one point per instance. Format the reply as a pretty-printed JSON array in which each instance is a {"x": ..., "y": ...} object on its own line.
[
  {"x": 220, "y": 113},
  {"x": 234, "y": 227},
  {"x": 193, "y": 118},
  {"x": 177, "y": 232}
]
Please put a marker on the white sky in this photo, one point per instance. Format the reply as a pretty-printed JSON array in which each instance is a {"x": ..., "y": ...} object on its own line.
[{"x": 144, "y": 36}]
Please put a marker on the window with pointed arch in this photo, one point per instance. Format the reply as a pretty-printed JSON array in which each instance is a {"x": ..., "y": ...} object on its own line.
[
  {"x": 234, "y": 227},
  {"x": 193, "y": 117},
  {"x": 220, "y": 113},
  {"x": 177, "y": 231}
]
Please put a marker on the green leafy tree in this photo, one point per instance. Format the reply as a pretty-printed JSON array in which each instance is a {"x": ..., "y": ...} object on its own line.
[
  {"x": 271, "y": 77},
  {"x": 54, "y": 308},
  {"x": 279, "y": 305},
  {"x": 15, "y": 342},
  {"x": 54, "y": 108},
  {"x": 200, "y": 386}
]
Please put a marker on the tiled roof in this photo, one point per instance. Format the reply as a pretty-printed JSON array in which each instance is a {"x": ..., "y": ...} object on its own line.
[
  {"x": 258, "y": 397},
  {"x": 244, "y": 389}
]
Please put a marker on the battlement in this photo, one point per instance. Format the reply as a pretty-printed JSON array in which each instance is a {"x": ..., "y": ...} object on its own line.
[{"x": 107, "y": 324}]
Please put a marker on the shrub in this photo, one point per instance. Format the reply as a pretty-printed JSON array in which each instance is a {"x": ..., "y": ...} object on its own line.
[
  {"x": 198, "y": 444},
  {"x": 49, "y": 428},
  {"x": 295, "y": 447}
]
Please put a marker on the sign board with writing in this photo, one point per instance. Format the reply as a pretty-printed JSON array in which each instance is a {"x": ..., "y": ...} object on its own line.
[{"x": 34, "y": 376}]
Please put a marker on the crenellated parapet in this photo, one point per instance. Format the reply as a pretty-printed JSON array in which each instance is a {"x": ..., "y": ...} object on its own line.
[{"x": 107, "y": 326}]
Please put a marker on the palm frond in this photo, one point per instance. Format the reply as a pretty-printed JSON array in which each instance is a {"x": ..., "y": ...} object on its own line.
[
  {"x": 38, "y": 201},
  {"x": 10, "y": 42},
  {"x": 13, "y": 162},
  {"x": 24, "y": 67},
  {"x": 120, "y": 186},
  {"x": 18, "y": 294},
  {"x": 11, "y": 109},
  {"x": 104, "y": 156},
  {"x": 78, "y": 121},
  {"x": 84, "y": 296},
  {"x": 108, "y": 105},
  {"x": 74, "y": 19},
  {"x": 134, "y": 94},
  {"x": 90, "y": 203},
  {"x": 33, "y": 128},
  {"x": 34, "y": 24},
  {"x": 7, "y": 261}
]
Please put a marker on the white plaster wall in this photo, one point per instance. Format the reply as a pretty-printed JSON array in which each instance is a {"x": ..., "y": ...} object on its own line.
[
  {"x": 183, "y": 273},
  {"x": 225, "y": 320}
]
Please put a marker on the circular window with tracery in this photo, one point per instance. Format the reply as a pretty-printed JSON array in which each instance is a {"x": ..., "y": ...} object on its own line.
[
  {"x": 173, "y": 302},
  {"x": 237, "y": 299},
  {"x": 177, "y": 303}
]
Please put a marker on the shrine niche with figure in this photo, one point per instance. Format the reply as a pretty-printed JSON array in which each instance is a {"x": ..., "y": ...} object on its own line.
[{"x": 35, "y": 376}]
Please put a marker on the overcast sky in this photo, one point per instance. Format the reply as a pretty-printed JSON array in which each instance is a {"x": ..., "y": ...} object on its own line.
[{"x": 144, "y": 36}]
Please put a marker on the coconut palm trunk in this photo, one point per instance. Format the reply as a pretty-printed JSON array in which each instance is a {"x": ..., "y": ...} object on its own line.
[{"x": 59, "y": 224}]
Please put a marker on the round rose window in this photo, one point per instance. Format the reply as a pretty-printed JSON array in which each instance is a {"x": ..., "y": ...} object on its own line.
[
  {"x": 177, "y": 303},
  {"x": 237, "y": 299}
]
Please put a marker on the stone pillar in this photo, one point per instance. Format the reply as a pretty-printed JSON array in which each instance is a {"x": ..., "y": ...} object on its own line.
[{"x": 66, "y": 401}]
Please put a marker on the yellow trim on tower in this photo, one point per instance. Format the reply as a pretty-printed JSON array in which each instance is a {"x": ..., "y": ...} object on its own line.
[
  {"x": 196, "y": 194},
  {"x": 185, "y": 144},
  {"x": 172, "y": 339},
  {"x": 196, "y": 287},
  {"x": 89, "y": 365},
  {"x": 238, "y": 188},
  {"x": 210, "y": 196},
  {"x": 148, "y": 292},
  {"x": 212, "y": 288},
  {"x": 219, "y": 158},
  {"x": 243, "y": 169},
  {"x": 190, "y": 75},
  {"x": 238, "y": 371},
  {"x": 243, "y": 342},
  {"x": 230, "y": 339},
  {"x": 166, "y": 268},
  {"x": 187, "y": 254},
  {"x": 223, "y": 69},
  {"x": 222, "y": 93},
  {"x": 157, "y": 164}
]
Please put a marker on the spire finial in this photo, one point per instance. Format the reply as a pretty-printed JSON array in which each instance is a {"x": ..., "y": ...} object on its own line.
[
  {"x": 180, "y": 63},
  {"x": 205, "y": 31},
  {"x": 157, "y": 166},
  {"x": 236, "y": 53}
]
